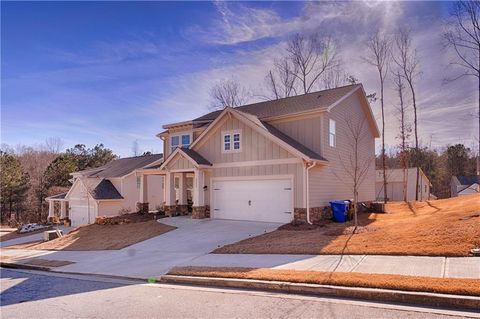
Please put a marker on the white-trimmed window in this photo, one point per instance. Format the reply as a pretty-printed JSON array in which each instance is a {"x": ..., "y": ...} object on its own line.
[
  {"x": 332, "y": 136},
  {"x": 232, "y": 141},
  {"x": 181, "y": 140},
  {"x": 139, "y": 182}
]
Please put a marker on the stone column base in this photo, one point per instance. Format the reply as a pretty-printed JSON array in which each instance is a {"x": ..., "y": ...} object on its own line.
[
  {"x": 142, "y": 208},
  {"x": 171, "y": 210},
  {"x": 182, "y": 209},
  {"x": 199, "y": 212}
]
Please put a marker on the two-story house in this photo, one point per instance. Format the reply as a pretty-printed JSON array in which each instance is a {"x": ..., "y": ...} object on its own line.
[{"x": 271, "y": 161}]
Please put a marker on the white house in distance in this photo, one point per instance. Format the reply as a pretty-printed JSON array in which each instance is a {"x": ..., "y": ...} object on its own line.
[
  {"x": 108, "y": 190},
  {"x": 465, "y": 185},
  {"x": 395, "y": 185},
  {"x": 272, "y": 161}
]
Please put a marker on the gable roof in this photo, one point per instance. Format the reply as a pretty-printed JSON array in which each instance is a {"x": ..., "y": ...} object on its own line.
[
  {"x": 122, "y": 166},
  {"x": 105, "y": 190},
  {"x": 273, "y": 133},
  {"x": 290, "y": 105},
  {"x": 189, "y": 154},
  {"x": 468, "y": 180}
]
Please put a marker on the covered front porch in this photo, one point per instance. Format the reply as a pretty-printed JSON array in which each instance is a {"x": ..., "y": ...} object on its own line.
[
  {"x": 184, "y": 186},
  {"x": 57, "y": 207}
]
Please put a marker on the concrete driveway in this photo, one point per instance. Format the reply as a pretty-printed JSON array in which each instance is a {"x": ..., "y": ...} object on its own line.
[{"x": 155, "y": 256}]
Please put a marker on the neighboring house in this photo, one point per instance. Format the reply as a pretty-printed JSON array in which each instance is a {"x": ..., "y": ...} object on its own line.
[
  {"x": 395, "y": 185},
  {"x": 465, "y": 185},
  {"x": 109, "y": 190},
  {"x": 271, "y": 161}
]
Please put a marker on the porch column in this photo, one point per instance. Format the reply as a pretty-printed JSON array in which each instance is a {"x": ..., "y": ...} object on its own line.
[
  {"x": 51, "y": 208},
  {"x": 170, "y": 206},
  {"x": 198, "y": 209},
  {"x": 63, "y": 209},
  {"x": 143, "y": 198},
  {"x": 182, "y": 194}
]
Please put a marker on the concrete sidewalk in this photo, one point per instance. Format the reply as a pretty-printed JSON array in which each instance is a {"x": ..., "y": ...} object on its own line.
[{"x": 440, "y": 267}]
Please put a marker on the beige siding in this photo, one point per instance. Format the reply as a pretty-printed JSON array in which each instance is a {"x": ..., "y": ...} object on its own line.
[
  {"x": 255, "y": 146},
  {"x": 131, "y": 193},
  {"x": 307, "y": 130},
  {"x": 109, "y": 209},
  {"x": 332, "y": 181},
  {"x": 180, "y": 162}
]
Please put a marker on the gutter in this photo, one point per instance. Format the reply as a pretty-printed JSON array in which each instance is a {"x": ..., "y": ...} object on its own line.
[{"x": 307, "y": 189}]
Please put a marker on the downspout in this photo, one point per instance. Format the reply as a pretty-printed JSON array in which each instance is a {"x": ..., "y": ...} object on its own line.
[{"x": 307, "y": 189}]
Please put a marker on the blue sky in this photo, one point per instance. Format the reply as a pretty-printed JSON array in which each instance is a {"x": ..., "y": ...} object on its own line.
[{"x": 115, "y": 72}]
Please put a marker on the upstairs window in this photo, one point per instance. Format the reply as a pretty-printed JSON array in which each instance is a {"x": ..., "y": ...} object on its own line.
[
  {"x": 232, "y": 141},
  {"x": 139, "y": 182},
  {"x": 182, "y": 140},
  {"x": 332, "y": 137}
]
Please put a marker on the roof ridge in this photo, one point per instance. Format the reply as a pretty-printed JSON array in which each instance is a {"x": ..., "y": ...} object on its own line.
[{"x": 295, "y": 96}]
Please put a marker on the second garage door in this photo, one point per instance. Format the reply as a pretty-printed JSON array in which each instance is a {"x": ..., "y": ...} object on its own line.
[{"x": 255, "y": 200}]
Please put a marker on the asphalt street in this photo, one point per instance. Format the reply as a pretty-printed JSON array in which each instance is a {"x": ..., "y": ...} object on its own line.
[{"x": 34, "y": 294}]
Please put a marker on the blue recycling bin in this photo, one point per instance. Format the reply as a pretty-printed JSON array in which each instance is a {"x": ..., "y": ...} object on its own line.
[{"x": 339, "y": 209}]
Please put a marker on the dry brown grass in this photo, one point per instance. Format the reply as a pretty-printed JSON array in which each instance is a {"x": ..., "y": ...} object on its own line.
[
  {"x": 101, "y": 237},
  {"x": 469, "y": 287},
  {"x": 447, "y": 227}
]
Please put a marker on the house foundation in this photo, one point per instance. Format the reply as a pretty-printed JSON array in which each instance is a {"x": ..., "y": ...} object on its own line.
[
  {"x": 142, "y": 208},
  {"x": 317, "y": 214}
]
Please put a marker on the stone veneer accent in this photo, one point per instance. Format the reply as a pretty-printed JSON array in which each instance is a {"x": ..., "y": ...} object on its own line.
[
  {"x": 199, "y": 212},
  {"x": 317, "y": 214},
  {"x": 142, "y": 208},
  {"x": 170, "y": 211},
  {"x": 182, "y": 209}
]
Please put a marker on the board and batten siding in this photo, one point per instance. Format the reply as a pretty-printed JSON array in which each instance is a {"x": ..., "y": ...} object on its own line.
[
  {"x": 307, "y": 130},
  {"x": 332, "y": 182},
  {"x": 254, "y": 147},
  {"x": 180, "y": 162}
]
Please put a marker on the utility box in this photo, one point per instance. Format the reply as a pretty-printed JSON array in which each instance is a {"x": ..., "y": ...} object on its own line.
[{"x": 52, "y": 234}]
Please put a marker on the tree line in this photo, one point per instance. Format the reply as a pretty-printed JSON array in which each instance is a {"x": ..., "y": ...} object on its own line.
[{"x": 30, "y": 174}]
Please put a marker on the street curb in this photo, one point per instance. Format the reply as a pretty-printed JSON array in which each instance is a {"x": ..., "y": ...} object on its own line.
[
  {"x": 23, "y": 266},
  {"x": 48, "y": 269},
  {"x": 406, "y": 297}
]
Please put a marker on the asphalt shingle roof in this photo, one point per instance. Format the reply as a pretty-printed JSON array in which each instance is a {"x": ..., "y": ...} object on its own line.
[
  {"x": 469, "y": 180},
  {"x": 121, "y": 167},
  {"x": 105, "y": 190},
  {"x": 196, "y": 157},
  {"x": 289, "y": 105}
]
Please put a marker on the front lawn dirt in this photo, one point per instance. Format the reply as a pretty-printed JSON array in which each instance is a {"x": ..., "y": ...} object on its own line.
[
  {"x": 101, "y": 237},
  {"x": 470, "y": 287},
  {"x": 447, "y": 227}
]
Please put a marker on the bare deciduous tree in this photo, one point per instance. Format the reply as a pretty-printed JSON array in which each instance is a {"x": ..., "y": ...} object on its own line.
[
  {"x": 228, "y": 93},
  {"x": 281, "y": 81},
  {"x": 54, "y": 144},
  {"x": 311, "y": 57},
  {"x": 358, "y": 163},
  {"x": 405, "y": 129},
  {"x": 379, "y": 56},
  {"x": 463, "y": 36},
  {"x": 407, "y": 61}
]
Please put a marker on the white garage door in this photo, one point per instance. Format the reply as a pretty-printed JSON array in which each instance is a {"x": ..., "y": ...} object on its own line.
[
  {"x": 256, "y": 200},
  {"x": 79, "y": 215}
]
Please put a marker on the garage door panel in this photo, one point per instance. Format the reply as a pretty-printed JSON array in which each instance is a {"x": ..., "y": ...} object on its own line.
[{"x": 256, "y": 200}]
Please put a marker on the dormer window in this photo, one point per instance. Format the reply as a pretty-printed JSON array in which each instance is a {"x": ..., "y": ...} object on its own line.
[
  {"x": 181, "y": 140},
  {"x": 232, "y": 141}
]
